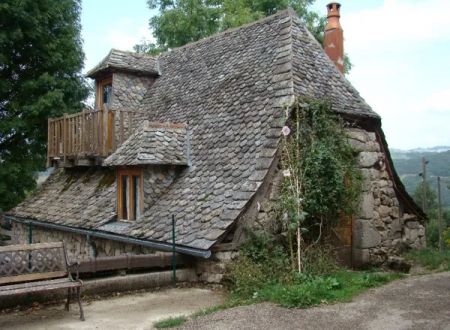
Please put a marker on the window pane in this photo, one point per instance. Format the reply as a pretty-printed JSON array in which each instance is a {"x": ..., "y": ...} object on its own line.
[
  {"x": 136, "y": 196},
  {"x": 124, "y": 200},
  {"x": 107, "y": 89}
]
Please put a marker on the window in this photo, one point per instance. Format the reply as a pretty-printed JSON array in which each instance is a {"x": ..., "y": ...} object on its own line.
[
  {"x": 104, "y": 92},
  {"x": 129, "y": 194}
]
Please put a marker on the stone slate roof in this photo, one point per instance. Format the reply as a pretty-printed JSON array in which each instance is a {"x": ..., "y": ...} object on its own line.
[
  {"x": 233, "y": 91},
  {"x": 153, "y": 144},
  {"x": 73, "y": 197},
  {"x": 126, "y": 61}
]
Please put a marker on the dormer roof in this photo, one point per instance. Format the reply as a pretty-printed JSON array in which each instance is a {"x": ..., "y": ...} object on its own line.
[
  {"x": 120, "y": 60},
  {"x": 153, "y": 144}
]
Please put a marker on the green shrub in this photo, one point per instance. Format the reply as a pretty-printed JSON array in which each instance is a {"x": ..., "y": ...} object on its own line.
[
  {"x": 308, "y": 290},
  {"x": 318, "y": 260},
  {"x": 170, "y": 322},
  {"x": 430, "y": 258},
  {"x": 432, "y": 233},
  {"x": 245, "y": 277}
]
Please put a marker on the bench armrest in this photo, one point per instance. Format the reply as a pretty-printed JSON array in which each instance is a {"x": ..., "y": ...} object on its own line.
[{"x": 73, "y": 268}]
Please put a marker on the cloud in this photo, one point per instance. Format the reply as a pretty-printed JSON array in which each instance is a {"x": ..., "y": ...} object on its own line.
[
  {"x": 399, "y": 21},
  {"x": 400, "y": 52},
  {"x": 126, "y": 33},
  {"x": 438, "y": 101}
]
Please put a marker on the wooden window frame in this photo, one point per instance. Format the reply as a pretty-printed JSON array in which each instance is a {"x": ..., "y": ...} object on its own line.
[
  {"x": 99, "y": 90},
  {"x": 130, "y": 172}
]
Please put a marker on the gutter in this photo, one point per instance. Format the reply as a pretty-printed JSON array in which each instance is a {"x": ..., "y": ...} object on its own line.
[{"x": 160, "y": 246}]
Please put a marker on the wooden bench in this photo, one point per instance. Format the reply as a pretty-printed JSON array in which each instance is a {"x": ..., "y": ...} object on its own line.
[{"x": 38, "y": 267}]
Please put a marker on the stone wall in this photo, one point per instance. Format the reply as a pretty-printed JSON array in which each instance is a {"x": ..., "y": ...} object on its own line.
[
  {"x": 259, "y": 216},
  {"x": 382, "y": 228},
  {"x": 157, "y": 180},
  {"x": 212, "y": 270},
  {"x": 129, "y": 90},
  {"x": 78, "y": 246}
]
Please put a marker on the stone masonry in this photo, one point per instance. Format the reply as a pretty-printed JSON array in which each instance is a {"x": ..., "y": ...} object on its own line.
[
  {"x": 381, "y": 228},
  {"x": 78, "y": 247}
]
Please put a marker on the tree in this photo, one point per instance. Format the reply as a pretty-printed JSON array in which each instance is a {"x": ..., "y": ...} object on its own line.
[
  {"x": 40, "y": 62},
  {"x": 182, "y": 21},
  {"x": 430, "y": 201}
]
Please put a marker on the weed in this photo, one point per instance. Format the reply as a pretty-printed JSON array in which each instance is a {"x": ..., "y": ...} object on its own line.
[
  {"x": 170, "y": 322},
  {"x": 430, "y": 258}
]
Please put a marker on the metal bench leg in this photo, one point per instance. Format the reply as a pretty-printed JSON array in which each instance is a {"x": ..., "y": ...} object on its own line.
[
  {"x": 69, "y": 293},
  {"x": 79, "y": 303}
]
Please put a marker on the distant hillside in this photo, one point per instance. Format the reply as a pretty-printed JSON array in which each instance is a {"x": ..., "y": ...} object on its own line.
[{"x": 408, "y": 164}]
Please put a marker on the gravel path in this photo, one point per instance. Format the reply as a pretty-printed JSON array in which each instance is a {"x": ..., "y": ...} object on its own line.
[
  {"x": 129, "y": 311},
  {"x": 419, "y": 302}
]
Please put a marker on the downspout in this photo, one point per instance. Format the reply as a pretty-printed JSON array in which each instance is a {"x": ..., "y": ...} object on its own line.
[{"x": 155, "y": 245}]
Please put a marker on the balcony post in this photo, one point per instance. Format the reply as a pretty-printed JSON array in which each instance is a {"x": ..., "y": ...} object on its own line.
[
  {"x": 105, "y": 131},
  {"x": 65, "y": 137},
  {"x": 49, "y": 144},
  {"x": 82, "y": 133}
]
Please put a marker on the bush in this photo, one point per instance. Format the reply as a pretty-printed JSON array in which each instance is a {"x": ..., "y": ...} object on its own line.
[
  {"x": 246, "y": 276},
  {"x": 430, "y": 258},
  {"x": 170, "y": 322},
  {"x": 432, "y": 233},
  {"x": 318, "y": 260}
]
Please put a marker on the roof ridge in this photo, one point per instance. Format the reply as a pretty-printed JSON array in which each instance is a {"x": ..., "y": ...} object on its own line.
[
  {"x": 130, "y": 52},
  {"x": 283, "y": 12}
]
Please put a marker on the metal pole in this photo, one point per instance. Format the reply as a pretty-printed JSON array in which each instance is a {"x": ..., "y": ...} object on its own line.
[
  {"x": 174, "y": 257},
  {"x": 30, "y": 233},
  {"x": 441, "y": 241}
]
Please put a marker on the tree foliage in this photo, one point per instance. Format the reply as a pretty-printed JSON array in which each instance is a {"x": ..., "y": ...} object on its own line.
[
  {"x": 321, "y": 178},
  {"x": 182, "y": 21},
  {"x": 40, "y": 61},
  {"x": 431, "y": 203}
]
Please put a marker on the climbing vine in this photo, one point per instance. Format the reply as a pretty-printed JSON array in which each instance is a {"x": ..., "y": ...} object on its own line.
[{"x": 321, "y": 180}]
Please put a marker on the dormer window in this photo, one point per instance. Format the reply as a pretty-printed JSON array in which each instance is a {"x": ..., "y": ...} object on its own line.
[
  {"x": 129, "y": 194},
  {"x": 104, "y": 92},
  {"x": 107, "y": 89}
]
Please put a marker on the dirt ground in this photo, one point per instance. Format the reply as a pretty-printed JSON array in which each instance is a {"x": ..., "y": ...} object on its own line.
[
  {"x": 419, "y": 302},
  {"x": 133, "y": 311}
]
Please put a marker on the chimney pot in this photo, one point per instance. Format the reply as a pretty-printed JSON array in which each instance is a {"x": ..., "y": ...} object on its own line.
[{"x": 333, "y": 41}]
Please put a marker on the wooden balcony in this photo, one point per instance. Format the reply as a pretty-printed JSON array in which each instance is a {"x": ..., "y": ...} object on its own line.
[{"x": 86, "y": 138}]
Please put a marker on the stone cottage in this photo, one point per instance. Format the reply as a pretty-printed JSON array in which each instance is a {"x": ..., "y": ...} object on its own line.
[{"x": 194, "y": 134}]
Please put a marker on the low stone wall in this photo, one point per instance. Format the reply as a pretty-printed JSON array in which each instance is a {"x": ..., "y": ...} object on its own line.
[
  {"x": 381, "y": 228},
  {"x": 78, "y": 247},
  {"x": 212, "y": 270}
]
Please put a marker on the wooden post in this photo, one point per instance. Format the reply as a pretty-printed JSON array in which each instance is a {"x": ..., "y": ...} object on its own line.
[
  {"x": 48, "y": 142},
  {"x": 441, "y": 239},
  {"x": 65, "y": 137},
  {"x": 424, "y": 184},
  {"x": 105, "y": 131},
  {"x": 83, "y": 132}
]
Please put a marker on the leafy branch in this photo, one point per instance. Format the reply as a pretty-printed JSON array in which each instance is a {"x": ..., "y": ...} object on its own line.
[{"x": 321, "y": 180}]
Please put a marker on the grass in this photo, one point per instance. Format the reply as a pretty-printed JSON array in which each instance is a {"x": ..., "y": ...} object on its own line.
[
  {"x": 304, "y": 292},
  {"x": 308, "y": 291},
  {"x": 430, "y": 258},
  {"x": 170, "y": 322}
]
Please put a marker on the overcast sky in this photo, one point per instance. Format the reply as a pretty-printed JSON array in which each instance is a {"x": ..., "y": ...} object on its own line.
[{"x": 400, "y": 50}]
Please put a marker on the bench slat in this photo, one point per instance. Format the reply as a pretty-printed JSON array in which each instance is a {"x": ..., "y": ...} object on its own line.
[
  {"x": 28, "y": 247},
  {"x": 31, "y": 284},
  {"x": 40, "y": 288},
  {"x": 32, "y": 277}
]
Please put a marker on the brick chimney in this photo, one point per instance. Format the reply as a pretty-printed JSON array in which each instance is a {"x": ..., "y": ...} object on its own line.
[{"x": 333, "y": 41}]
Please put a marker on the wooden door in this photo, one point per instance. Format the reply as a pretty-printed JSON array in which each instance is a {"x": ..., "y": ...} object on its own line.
[{"x": 343, "y": 240}]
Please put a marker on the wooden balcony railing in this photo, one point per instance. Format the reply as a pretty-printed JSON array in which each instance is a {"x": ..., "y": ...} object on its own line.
[{"x": 89, "y": 134}]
